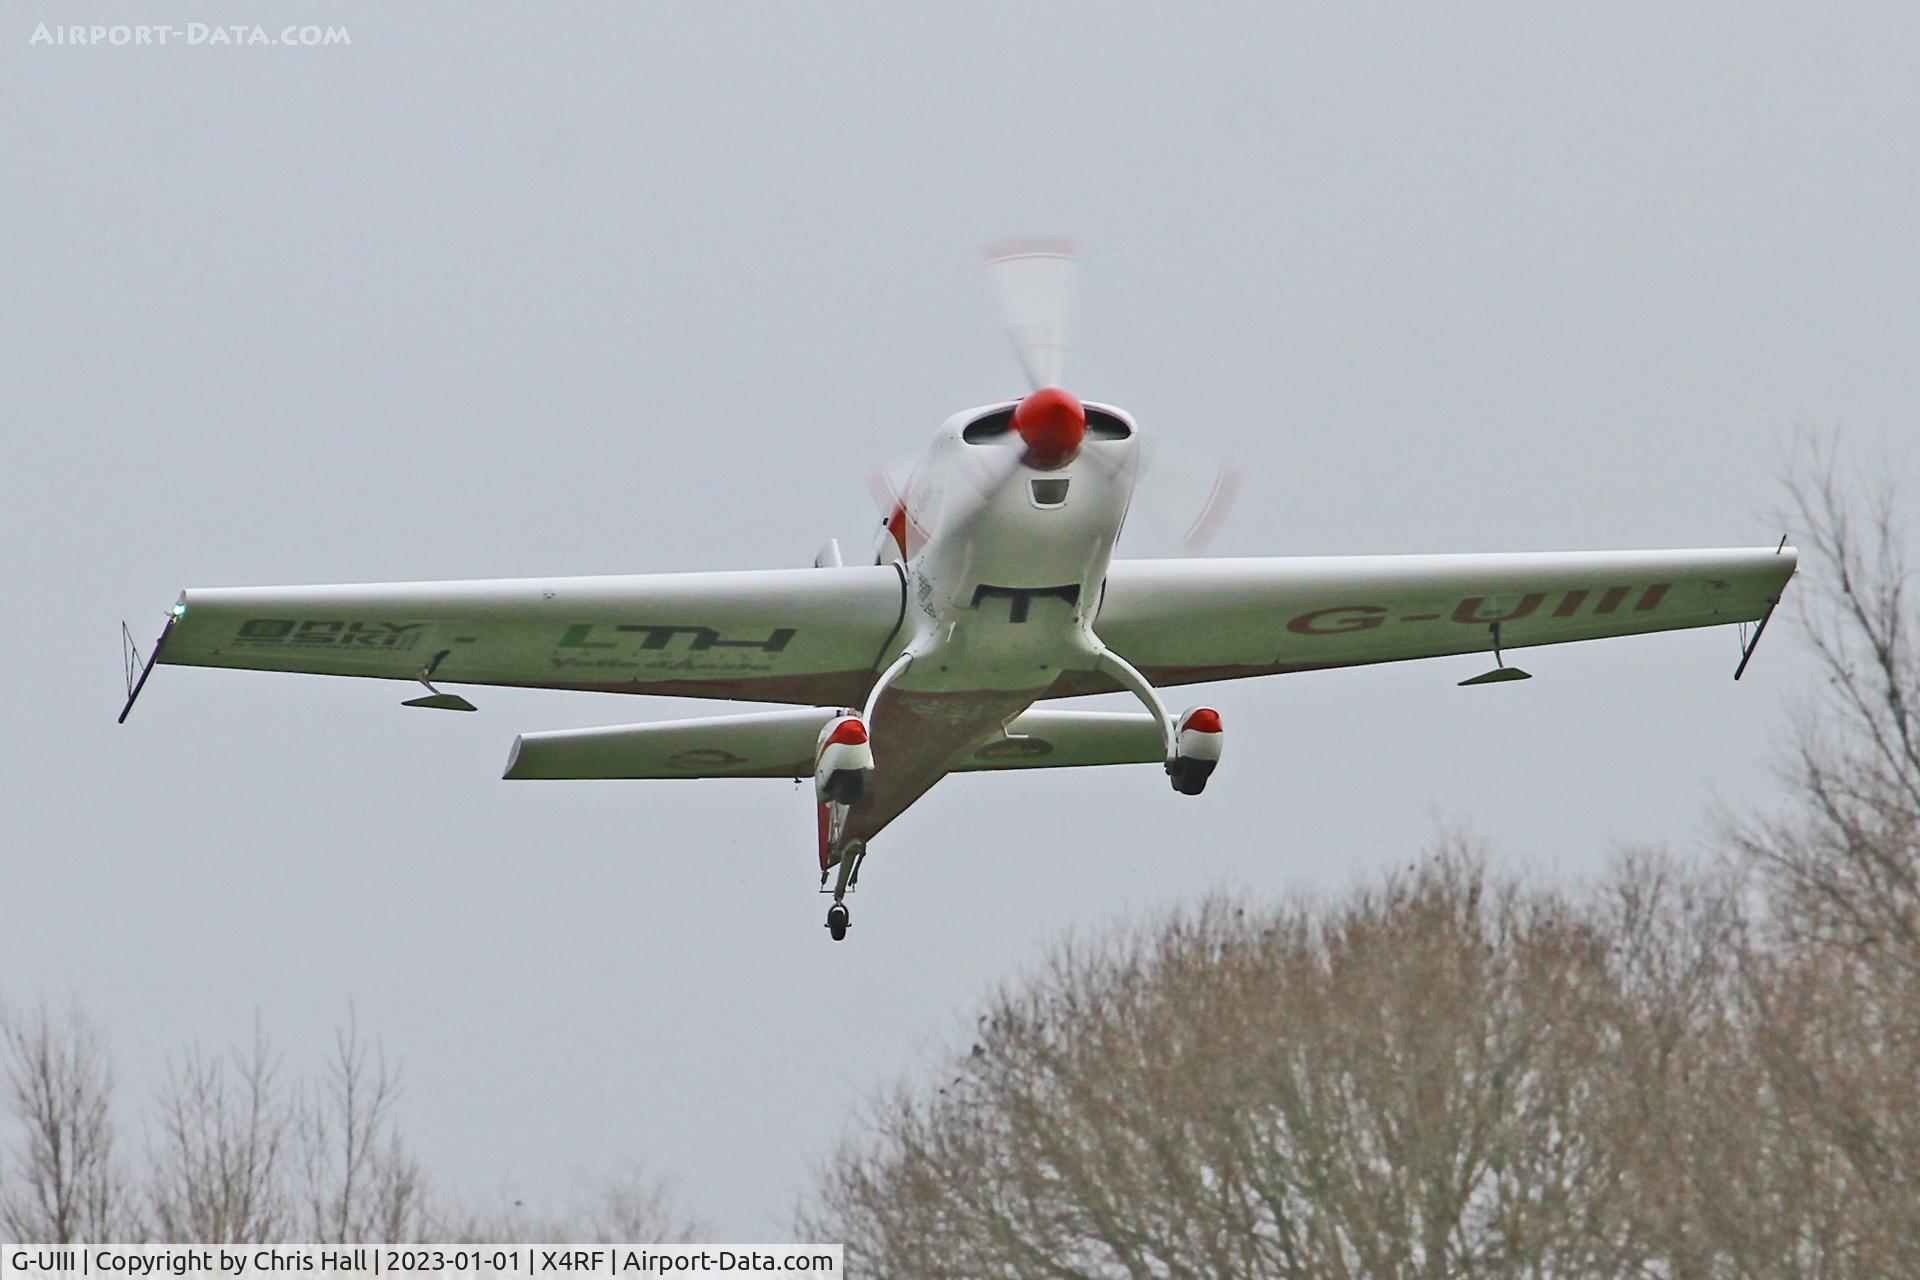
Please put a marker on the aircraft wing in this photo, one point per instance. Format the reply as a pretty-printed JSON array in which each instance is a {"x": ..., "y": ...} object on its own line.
[
  {"x": 785, "y": 635},
  {"x": 1186, "y": 621}
]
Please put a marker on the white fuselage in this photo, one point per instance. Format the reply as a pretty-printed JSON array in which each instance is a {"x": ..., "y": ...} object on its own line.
[{"x": 1005, "y": 561}]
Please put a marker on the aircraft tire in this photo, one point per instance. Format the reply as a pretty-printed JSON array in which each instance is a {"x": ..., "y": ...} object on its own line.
[{"x": 1189, "y": 776}]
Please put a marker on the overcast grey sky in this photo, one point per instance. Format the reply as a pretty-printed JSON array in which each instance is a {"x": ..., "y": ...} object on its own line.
[{"x": 622, "y": 288}]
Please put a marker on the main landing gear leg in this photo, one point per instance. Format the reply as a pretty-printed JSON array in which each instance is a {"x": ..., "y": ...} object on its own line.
[
  {"x": 840, "y": 782},
  {"x": 1192, "y": 742}
]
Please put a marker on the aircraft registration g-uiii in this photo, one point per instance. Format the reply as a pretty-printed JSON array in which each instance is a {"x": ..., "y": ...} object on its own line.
[{"x": 995, "y": 589}]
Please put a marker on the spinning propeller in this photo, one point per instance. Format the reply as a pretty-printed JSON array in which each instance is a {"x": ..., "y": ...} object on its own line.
[
  {"x": 1180, "y": 497},
  {"x": 1035, "y": 282}
]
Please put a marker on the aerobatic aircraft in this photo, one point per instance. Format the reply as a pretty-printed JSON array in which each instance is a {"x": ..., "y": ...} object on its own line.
[{"x": 995, "y": 589}]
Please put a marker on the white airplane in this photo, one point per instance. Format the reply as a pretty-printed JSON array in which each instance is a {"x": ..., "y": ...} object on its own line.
[{"x": 995, "y": 589}]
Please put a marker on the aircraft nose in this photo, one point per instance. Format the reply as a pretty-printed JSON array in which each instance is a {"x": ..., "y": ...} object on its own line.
[{"x": 1052, "y": 423}]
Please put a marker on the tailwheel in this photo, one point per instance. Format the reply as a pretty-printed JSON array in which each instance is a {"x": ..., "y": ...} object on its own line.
[{"x": 838, "y": 918}]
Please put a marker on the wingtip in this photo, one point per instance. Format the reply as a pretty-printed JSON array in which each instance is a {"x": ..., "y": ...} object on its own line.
[{"x": 137, "y": 682}]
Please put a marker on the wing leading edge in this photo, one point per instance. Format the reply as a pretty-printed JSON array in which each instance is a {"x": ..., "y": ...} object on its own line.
[
  {"x": 808, "y": 636},
  {"x": 1186, "y": 621}
]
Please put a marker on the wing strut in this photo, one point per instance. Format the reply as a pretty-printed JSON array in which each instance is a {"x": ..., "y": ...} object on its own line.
[{"x": 1130, "y": 679}]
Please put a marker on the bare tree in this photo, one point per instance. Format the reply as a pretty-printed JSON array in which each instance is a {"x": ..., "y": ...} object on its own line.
[
  {"x": 359, "y": 1183},
  {"x": 1841, "y": 861},
  {"x": 1404, "y": 1086},
  {"x": 237, "y": 1156},
  {"x": 1831, "y": 999},
  {"x": 1712, "y": 1189},
  {"x": 1447, "y": 1076},
  {"x": 64, "y": 1184},
  {"x": 219, "y": 1172},
  {"x": 632, "y": 1207}
]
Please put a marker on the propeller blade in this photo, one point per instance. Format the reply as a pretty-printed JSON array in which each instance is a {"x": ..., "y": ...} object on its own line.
[
  {"x": 980, "y": 476},
  {"x": 1034, "y": 280},
  {"x": 898, "y": 529},
  {"x": 1213, "y": 513},
  {"x": 888, "y": 487},
  {"x": 987, "y": 471},
  {"x": 1180, "y": 501}
]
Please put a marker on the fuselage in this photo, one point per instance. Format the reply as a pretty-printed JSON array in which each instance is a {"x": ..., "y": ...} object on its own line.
[{"x": 1004, "y": 561}]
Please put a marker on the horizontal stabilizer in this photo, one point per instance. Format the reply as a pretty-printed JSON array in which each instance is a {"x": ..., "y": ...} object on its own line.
[
  {"x": 1060, "y": 739},
  {"x": 760, "y": 744},
  {"x": 780, "y": 744}
]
